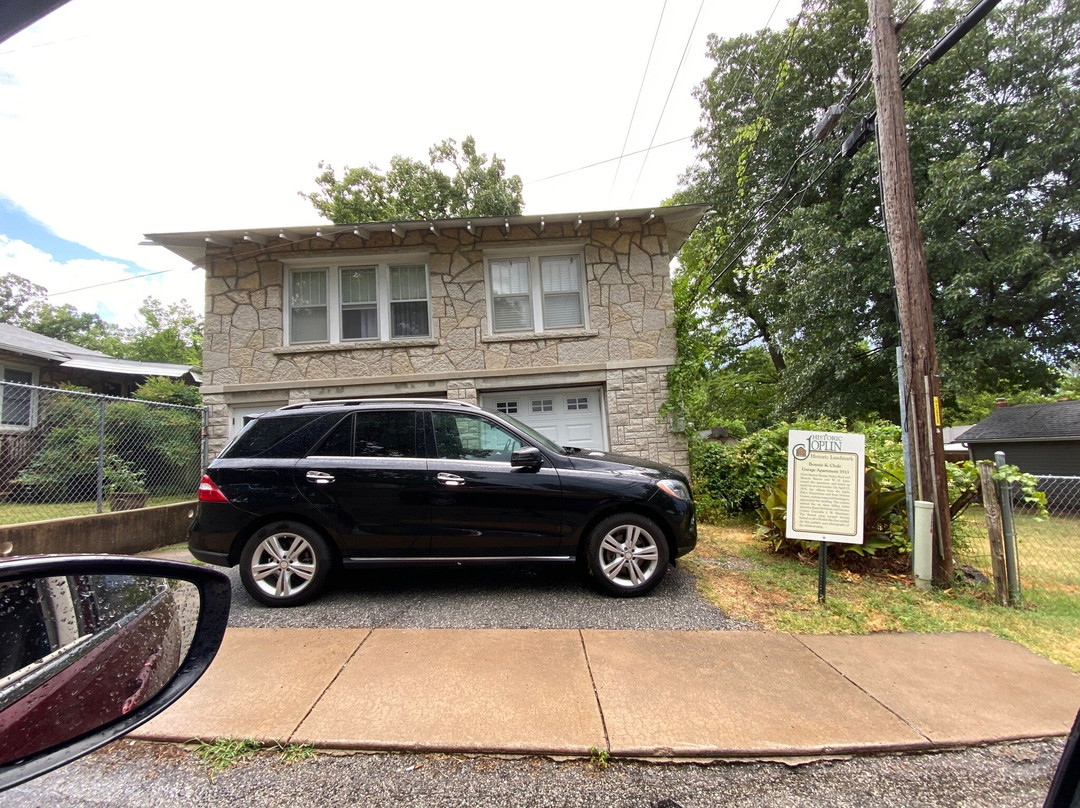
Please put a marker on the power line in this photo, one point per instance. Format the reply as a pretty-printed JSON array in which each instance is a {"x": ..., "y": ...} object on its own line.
[
  {"x": 742, "y": 75},
  {"x": 111, "y": 283},
  {"x": 608, "y": 160},
  {"x": 698, "y": 295},
  {"x": 686, "y": 49},
  {"x": 641, "y": 87}
]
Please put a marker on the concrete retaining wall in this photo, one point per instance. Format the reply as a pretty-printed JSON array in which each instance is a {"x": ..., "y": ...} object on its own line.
[{"x": 123, "y": 532}]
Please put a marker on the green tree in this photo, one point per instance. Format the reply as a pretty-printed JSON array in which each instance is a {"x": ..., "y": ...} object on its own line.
[
  {"x": 68, "y": 324},
  {"x": 165, "y": 333},
  {"x": 993, "y": 132},
  {"x": 17, "y": 294},
  {"x": 414, "y": 190}
]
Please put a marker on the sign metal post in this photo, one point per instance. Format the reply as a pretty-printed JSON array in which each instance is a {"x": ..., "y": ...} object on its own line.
[{"x": 826, "y": 497}]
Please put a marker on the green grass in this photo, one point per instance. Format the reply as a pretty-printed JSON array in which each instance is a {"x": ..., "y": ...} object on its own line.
[
  {"x": 736, "y": 572},
  {"x": 12, "y": 513},
  {"x": 224, "y": 753},
  {"x": 295, "y": 752}
]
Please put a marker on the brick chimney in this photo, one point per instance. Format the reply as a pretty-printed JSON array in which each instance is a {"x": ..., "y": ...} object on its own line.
[{"x": 1002, "y": 403}]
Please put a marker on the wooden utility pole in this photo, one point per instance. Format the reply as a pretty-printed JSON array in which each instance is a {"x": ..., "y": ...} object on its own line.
[{"x": 922, "y": 383}]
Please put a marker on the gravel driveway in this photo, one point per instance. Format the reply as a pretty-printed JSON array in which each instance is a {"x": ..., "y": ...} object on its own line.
[
  {"x": 152, "y": 776},
  {"x": 541, "y": 596}
]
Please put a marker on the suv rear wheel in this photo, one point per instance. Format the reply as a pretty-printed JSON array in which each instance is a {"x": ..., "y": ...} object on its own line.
[
  {"x": 627, "y": 555},
  {"x": 285, "y": 564}
]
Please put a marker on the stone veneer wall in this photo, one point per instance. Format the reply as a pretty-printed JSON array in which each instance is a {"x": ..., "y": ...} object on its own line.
[{"x": 627, "y": 345}]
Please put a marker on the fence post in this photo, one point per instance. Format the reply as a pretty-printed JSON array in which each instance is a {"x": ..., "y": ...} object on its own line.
[
  {"x": 993, "y": 527},
  {"x": 205, "y": 437},
  {"x": 101, "y": 456},
  {"x": 1009, "y": 525}
]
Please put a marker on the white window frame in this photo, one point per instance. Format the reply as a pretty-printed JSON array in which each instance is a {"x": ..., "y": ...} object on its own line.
[
  {"x": 33, "y": 371},
  {"x": 536, "y": 286},
  {"x": 333, "y": 269}
]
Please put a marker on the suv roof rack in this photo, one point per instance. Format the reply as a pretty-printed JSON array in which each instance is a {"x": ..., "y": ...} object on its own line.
[{"x": 347, "y": 402}]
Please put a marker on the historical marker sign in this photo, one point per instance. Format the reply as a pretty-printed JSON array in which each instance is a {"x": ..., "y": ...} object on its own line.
[{"x": 825, "y": 486}]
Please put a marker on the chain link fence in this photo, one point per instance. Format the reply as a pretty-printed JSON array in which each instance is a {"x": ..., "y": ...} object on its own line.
[
  {"x": 68, "y": 453},
  {"x": 1047, "y": 548}
]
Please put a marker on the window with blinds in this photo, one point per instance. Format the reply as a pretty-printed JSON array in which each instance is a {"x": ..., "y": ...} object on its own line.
[
  {"x": 511, "y": 309},
  {"x": 346, "y": 303},
  {"x": 359, "y": 303},
  {"x": 561, "y": 277},
  {"x": 307, "y": 306},
  {"x": 409, "y": 301},
  {"x": 536, "y": 293}
]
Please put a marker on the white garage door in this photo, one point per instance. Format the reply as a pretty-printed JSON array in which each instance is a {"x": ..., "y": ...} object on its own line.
[
  {"x": 570, "y": 416},
  {"x": 238, "y": 414}
]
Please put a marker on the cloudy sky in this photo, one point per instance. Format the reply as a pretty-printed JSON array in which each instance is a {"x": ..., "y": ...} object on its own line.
[{"x": 124, "y": 117}]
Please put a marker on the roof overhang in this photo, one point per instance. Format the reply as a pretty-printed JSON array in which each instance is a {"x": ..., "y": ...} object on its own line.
[
  {"x": 679, "y": 220},
  {"x": 128, "y": 367}
]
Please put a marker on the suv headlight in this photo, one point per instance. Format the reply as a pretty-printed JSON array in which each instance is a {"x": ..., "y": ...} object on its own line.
[{"x": 675, "y": 488}]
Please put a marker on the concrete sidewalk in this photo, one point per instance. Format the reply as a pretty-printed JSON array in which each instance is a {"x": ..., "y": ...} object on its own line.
[{"x": 656, "y": 694}]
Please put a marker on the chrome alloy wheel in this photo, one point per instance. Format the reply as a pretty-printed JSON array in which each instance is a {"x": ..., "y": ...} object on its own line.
[
  {"x": 283, "y": 564},
  {"x": 628, "y": 555}
]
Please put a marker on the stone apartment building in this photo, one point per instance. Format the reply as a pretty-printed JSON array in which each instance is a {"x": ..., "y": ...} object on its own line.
[{"x": 565, "y": 322}]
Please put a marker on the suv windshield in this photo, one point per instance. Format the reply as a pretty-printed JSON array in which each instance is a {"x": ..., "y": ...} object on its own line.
[{"x": 535, "y": 436}]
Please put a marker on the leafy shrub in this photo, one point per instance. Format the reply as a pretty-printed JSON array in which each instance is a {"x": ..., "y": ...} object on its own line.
[
  {"x": 161, "y": 444},
  {"x": 728, "y": 477},
  {"x": 163, "y": 441},
  {"x": 884, "y": 519},
  {"x": 65, "y": 467},
  {"x": 168, "y": 391}
]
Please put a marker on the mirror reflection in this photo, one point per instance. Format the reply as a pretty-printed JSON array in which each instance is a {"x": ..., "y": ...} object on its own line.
[{"x": 79, "y": 651}]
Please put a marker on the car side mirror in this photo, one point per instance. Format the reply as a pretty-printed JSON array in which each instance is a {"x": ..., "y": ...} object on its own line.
[
  {"x": 93, "y": 646},
  {"x": 527, "y": 457}
]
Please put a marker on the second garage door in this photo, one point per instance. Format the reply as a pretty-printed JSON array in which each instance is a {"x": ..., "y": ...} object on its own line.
[{"x": 570, "y": 416}]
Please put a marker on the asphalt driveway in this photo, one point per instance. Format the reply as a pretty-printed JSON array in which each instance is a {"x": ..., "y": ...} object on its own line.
[{"x": 537, "y": 597}]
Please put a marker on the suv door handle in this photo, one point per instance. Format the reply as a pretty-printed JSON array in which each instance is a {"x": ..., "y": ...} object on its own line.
[
  {"x": 319, "y": 477},
  {"x": 450, "y": 479}
]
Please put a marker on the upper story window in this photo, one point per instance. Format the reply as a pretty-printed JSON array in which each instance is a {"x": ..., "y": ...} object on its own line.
[
  {"x": 347, "y": 302},
  {"x": 539, "y": 292}
]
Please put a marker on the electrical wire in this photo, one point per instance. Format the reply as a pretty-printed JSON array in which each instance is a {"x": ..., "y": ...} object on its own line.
[
  {"x": 716, "y": 278},
  {"x": 856, "y": 87},
  {"x": 111, "y": 283},
  {"x": 682, "y": 61},
  {"x": 641, "y": 87},
  {"x": 608, "y": 160}
]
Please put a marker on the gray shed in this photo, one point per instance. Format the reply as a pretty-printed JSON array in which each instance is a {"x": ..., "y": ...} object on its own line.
[{"x": 1040, "y": 439}]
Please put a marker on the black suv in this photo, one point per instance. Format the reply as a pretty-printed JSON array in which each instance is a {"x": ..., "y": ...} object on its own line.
[{"x": 426, "y": 481}]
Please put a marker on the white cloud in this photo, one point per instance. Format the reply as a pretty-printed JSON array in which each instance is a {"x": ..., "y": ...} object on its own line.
[
  {"x": 124, "y": 117},
  {"x": 114, "y": 293}
]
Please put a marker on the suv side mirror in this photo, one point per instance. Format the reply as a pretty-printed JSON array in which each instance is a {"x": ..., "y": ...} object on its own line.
[
  {"x": 527, "y": 457},
  {"x": 93, "y": 646}
]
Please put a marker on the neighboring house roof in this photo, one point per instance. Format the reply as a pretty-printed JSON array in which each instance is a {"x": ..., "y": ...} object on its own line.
[
  {"x": 1059, "y": 420},
  {"x": 680, "y": 221},
  {"x": 17, "y": 340}
]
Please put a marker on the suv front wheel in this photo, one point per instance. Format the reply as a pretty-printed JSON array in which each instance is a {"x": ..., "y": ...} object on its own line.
[
  {"x": 627, "y": 555},
  {"x": 285, "y": 564}
]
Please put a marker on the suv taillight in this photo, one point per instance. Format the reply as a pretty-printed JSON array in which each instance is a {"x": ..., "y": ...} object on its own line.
[{"x": 208, "y": 492}]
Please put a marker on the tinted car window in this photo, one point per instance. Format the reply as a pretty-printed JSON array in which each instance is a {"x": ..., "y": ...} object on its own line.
[
  {"x": 467, "y": 437},
  {"x": 372, "y": 434},
  {"x": 385, "y": 434},
  {"x": 291, "y": 436},
  {"x": 338, "y": 443}
]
